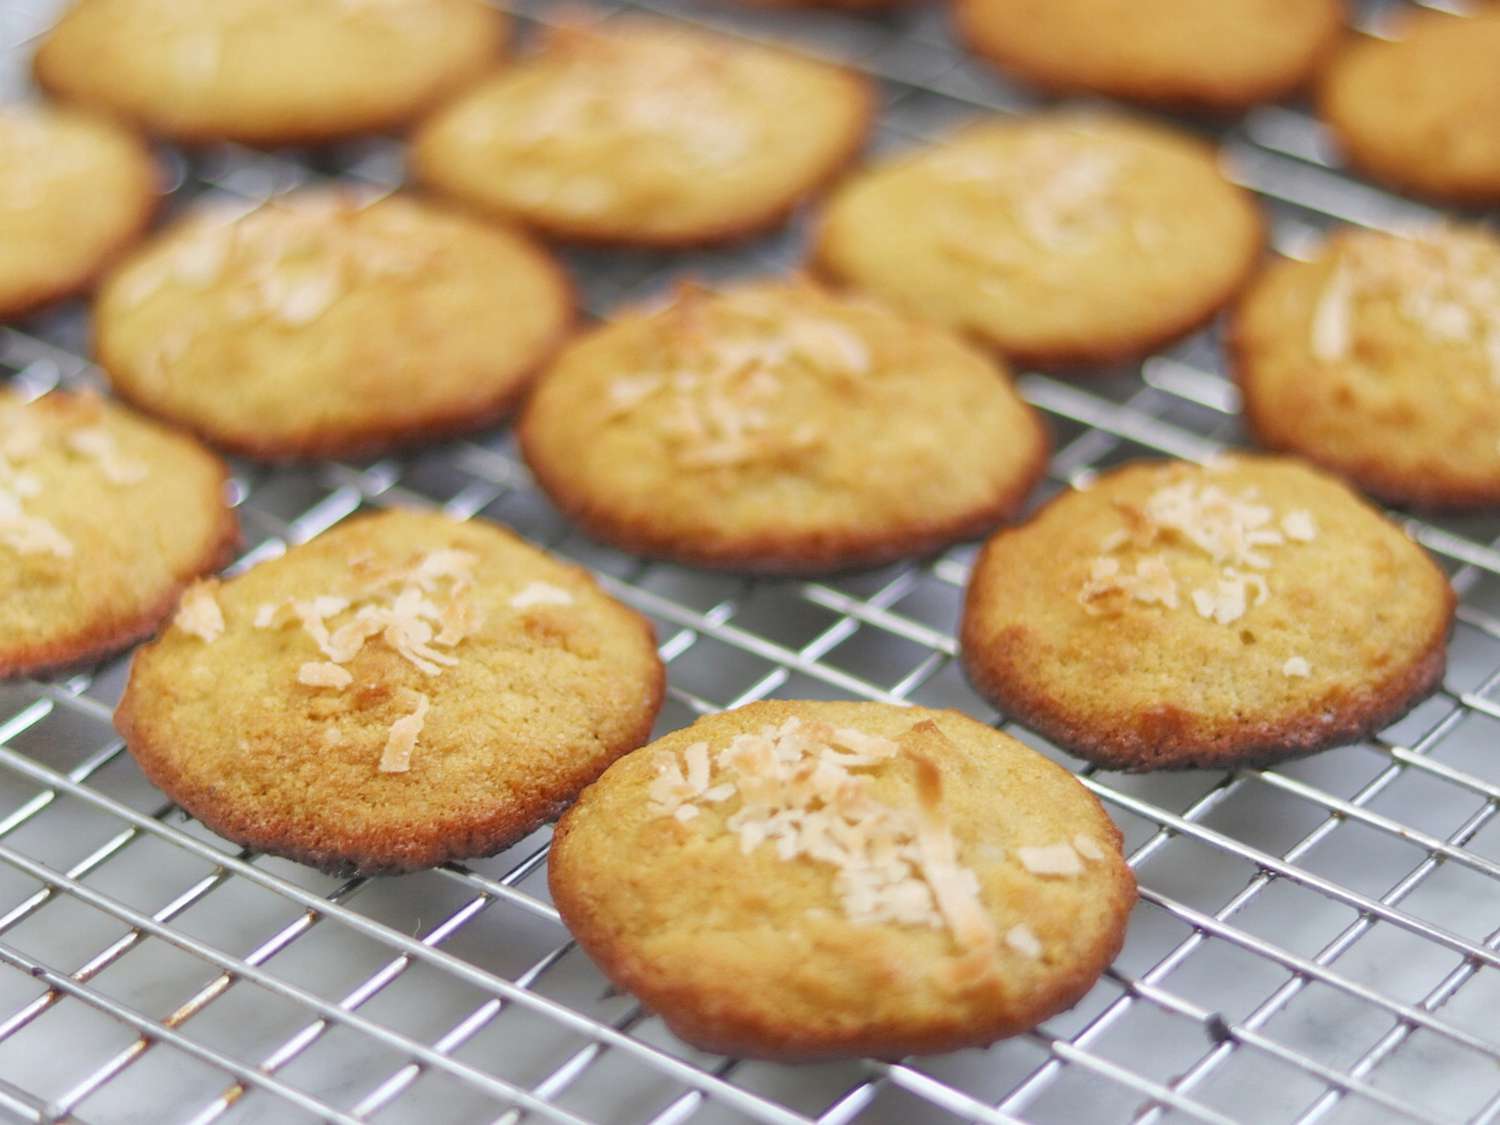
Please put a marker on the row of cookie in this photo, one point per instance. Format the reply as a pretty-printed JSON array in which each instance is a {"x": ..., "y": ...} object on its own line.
[
  {"x": 320, "y": 325},
  {"x": 405, "y": 690},
  {"x": 604, "y": 133}
]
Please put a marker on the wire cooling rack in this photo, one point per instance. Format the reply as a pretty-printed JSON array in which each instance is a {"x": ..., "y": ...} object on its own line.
[{"x": 1316, "y": 942}]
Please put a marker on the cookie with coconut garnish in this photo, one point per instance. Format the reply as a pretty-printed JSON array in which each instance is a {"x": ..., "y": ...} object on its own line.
[
  {"x": 1417, "y": 109},
  {"x": 1379, "y": 359},
  {"x": 1177, "y": 615},
  {"x": 104, "y": 518},
  {"x": 323, "y": 323},
  {"x": 1062, "y": 238},
  {"x": 401, "y": 691},
  {"x": 75, "y": 191},
  {"x": 1221, "y": 56},
  {"x": 799, "y": 880},
  {"x": 268, "y": 72},
  {"x": 775, "y": 426},
  {"x": 646, "y": 133}
]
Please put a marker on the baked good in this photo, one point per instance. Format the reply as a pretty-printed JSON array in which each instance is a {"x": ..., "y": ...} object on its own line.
[
  {"x": 801, "y": 880},
  {"x": 1062, "y": 238},
  {"x": 1217, "y": 56},
  {"x": 1220, "y": 615},
  {"x": 776, "y": 426},
  {"x": 268, "y": 72},
  {"x": 400, "y": 691},
  {"x": 104, "y": 518},
  {"x": 323, "y": 324},
  {"x": 1418, "y": 110},
  {"x": 1380, "y": 359},
  {"x": 646, "y": 133},
  {"x": 75, "y": 191}
]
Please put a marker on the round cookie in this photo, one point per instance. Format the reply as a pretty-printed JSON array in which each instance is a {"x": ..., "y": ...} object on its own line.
[
  {"x": 1062, "y": 238},
  {"x": 402, "y": 691},
  {"x": 778, "y": 427},
  {"x": 104, "y": 517},
  {"x": 1216, "y": 56},
  {"x": 268, "y": 72},
  {"x": 320, "y": 324},
  {"x": 1418, "y": 111},
  {"x": 1178, "y": 615},
  {"x": 75, "y": 191},
  {"x": 1380, "y": 359},
  {"x": 814, "y": 880},
  {"x": 645, "y": 133}
]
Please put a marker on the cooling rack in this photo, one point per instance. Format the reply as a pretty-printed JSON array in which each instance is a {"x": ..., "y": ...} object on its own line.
[{"x": 1317, "y": 942}]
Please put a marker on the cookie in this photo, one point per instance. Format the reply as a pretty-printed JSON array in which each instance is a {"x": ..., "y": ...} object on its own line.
[
  {"x": 814, "y": 880},
  {"x": 1220, "y": 56},
  {"x": 645, "y": 133},
  {"x": 104, "y": 518},
  {"x": 775, "y": 426},
  {"x": 401, "y": 691},
  {"x": 1379, "y": 359},
  {"x": 75, "y": 191},
  {"x": 1230, "y": 614},
  {"x": 321, "y": 324},
  {"x": 1418, "y": 111},
  {"x": 1061, "y": 239},
  {"x": 267, "y": 72}
]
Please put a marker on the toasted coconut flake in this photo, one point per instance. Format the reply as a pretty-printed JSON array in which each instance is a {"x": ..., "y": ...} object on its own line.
[
  {"x": 99, "y": 444},
  {"x": 199, "y": 613},
  {"x": 1297, "y": 667},
  {"x": 540, "y": 593},
  {"x": 1050, "y": 859},
  {"x": 1021, "y": 939},
  {"x": 1299, "y": 525},
  {"x": 1088, "y": 847},
  {"x": 1331, "y": 330},
  {"x": 402, "y": 740},
  {"x": 322, "y": 674}
]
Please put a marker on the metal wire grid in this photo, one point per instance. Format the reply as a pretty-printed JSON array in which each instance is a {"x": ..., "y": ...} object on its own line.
[{"x": 1316, "y": 942}]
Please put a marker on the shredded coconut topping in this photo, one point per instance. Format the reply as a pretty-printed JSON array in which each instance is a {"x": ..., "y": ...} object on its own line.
[
  {"x": 540, "y": 593},
  {"x": 1051, "y": 859},
  {"x": 1088, "y": 847},
  {"x": 99, "y": 444},
  {"x": 801, "y": 790},
  {"x": 1234, "y": 531},
  {"x": 1021, "y": 939},
  {"x": 198, "y": 612},
  {"x": 1443, "y": 279},
  {"x": 1296, "y": 666},
  {"x": 402, "y": 740},
  {"x": 324, "y": 674}
]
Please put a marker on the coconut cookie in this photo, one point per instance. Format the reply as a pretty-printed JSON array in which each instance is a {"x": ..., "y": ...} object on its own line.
[
  {"x": 1220, "y": 56},
  {"x": 816, "y": 880},
  {"x": 104, "y": 517},
  {"x": 1061, "y": 239},
  {"x": 1380, "y": 359},
  {"x": 321, "y": 324},
  {"x": 646, "y": 133},
  {"x": 401, "y": 691},
  {"x": 74, "y": 192},
  {"x": 1180, "y": 615},
  {"x": 1418, "y": 111},
  {"x": 268, "y": 72},
  {"x": 778, "y": 427}
]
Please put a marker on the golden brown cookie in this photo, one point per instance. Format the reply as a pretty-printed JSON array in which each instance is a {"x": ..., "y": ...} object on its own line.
[
  {"x": 268, "y": 72},
  {"x": 778, "y": 427},
  {"x": 320, "y": 324},
  {"x": 74, "y": 191},
  {"x": 401, "y": 691},
  {"x": 813, "y": 880},
  {"x": 1419, "y": 110},
  {"x": 1380, "y": 359},
  {"x": 1179, "y": 615},
  {"x": 646, "y": 133},
  {"x": 1213, "y": 55},
  {"x": 104, "y": 517},
  {"x": 1062, "y": 238}
]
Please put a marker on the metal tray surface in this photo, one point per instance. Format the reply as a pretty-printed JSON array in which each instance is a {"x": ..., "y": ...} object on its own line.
[{"x": 1318, "y": 942}]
